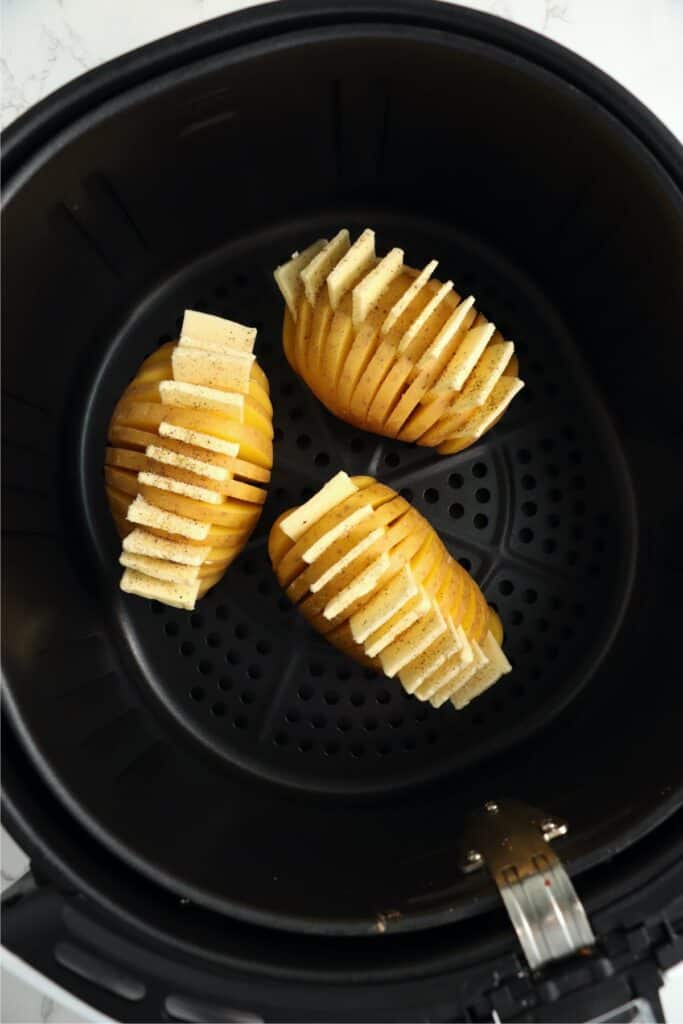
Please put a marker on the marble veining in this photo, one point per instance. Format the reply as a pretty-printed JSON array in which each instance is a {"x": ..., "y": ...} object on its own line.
[{"x": 49, "y": 42}]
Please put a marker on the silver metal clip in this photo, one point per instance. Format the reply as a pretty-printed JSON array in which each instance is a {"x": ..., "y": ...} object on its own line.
[{"x": 512, "y": 839}]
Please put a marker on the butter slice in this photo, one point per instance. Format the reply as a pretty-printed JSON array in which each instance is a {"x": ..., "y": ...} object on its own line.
[
  {"x": 352, "y": 266},
  {"x": 363, "y": 584},
  {"x": 178, "y": 595},
  {"x": 199, "y": 440},
  {"x": 145, "y": 514},
  {"x": 311, "y": 554},
  {"x": 466, "y": 357},
  {"x": 288, "y": 275},
  {"x": 169, "y": 458},
  {"x": 230, "y": 370},
  {"x": 167, "y": 483},
  {"x": 401, "y": 305},
  {"x": 216, "y": 332},
  {"x": 498, "y": 665},
  {"x": 368, "y": 290},
  {"x": 413, "y": 642},
  {"x": 449, "y": 331},
  {"x": 197, "y": 396},
  {"x": 421, "y": 319},
  {"x": 335, "y": 490},
  {"x": 140, "y": 542},
  {"x": 388, "y": 600},
  {"x": 314, "y": 274},
  {"x": 159, "y": 568},
  {"x": 346, "y": 559}
]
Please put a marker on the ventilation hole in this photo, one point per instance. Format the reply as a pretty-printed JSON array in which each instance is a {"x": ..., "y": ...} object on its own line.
[
  {"x": 370, "y": 724},
  {"x": 303, "y": 441},
  {"x": 517, "y": 618},
  {"x": 213, "y": 640},
  {"x": 248, "y": 567},
  {"x": 305, "y": 692},
  {"x": 578, "y": 483},
  {"x": 218, "y": 709},
  {"x": 536, "y": 673},
  {"x": 432, "y": 736},
  {"x": 396, "y": 721},
  {"x": 322, "y": 459},
  {"x": 431, "y": 495},
  {"x": 171, "y": 628},
  {"x": 196, "y": 621},
  {"x": 280, "y": 494},
  {"x": 186, "y": 648},
  {"x": 579, "y": 611},
  {"x": 572, "y": 557},
  {"x": 392, "y": 460},
  {"x": 547, "y": 444},
  {"x": 241, "y": 280},
  {"x": 357, "y": 699},
  {"x": 556, "y": 603},
  {"x": 483, "y": 495},
  {"x": 383, "y": 697},
  {"x": 478, "y": 719},
  {"x": 527, "y": 645},
  {"x": 530, "y": 596},
  {"x": 315, "y": 669},
  {"x": 552, "y": 470},
  {"x": 552, "y": 652},
  {"x": 543, "y": 625},
  {"x": 280, "y": 739},
  {"x": 356, "y": 750},
  {"x": 524, "y": 456},
  {"x": 456, "y": 480},
  {"x": 526, "y": 535},
  {"x": 603, "y": 521},
  {"x": 306, "y": 493},
  {"x": 555, "y": 494},
  {"x": 456, "y": 510},
  {"x": 519, "y": 690},
  {"x": 254, "y": 672},
  {"x": 529, "y": 508},
  {"x": 233, "y": 658},
  {"x": 205, "y": 667},
  {"x": 465, "y": 563},
  {"x": 331, "y": 748},
  {"x": 304, "y": 746},
  {"x": 579, "y": 508},
  {"x": 287, "y": 389},
  {"x": 370, "y": 674},
  {"x": 284, "y": 605},
  {"x": 569, "y": 433},
  {"x": 296, "y": 413},
  {"x": 549, "y": 546},
  {"x": 225, "y": 683},
  {"x": 409, "y": 743},
  {"x": 480, "y": 521},
  {"x": 197, "y": 693},
  {"x": 343, "y": 724},
  {"x": 422, "y": 715},
  {"x": 240, "y": 721},
  {"x": 528, "y": 482},
  {"x": 383, "y": 748},
  {"x": 553, "y": 520},
  {"x": 263, "y": 647},
  {"x": 331, "y": 697},
  {"x": 343, "y": 673},
  {"x": 278, "y": 434},
  {"x": 241, "y": 631},
  {"x": 406, "y": 493},
  {"x": 593, "y": 569},
  {"x": 292, "y": 716},
  {"x": 357, "y": 444},
  {"x": 157, "y": 609},
  {"x": 479, "y": 469},
  {"x": 506, "y": 587},
  {"x": 599, "y": 546},
  {"x": 318, "y": 721},
  {"x": 264, "y": 588}
]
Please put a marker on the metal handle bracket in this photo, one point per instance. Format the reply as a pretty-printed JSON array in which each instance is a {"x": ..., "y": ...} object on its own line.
[{"x": 512, "y": 841}]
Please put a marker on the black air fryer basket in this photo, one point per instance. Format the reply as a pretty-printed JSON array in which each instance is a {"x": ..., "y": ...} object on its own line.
[{"x": 227, "y": 818}]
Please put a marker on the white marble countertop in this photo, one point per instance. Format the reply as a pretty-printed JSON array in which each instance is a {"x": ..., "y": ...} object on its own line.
[{"x": 48, "y": 42}]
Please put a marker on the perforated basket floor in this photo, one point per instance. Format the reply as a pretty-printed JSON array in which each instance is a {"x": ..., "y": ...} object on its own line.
[{"x": 533, "y": 511}]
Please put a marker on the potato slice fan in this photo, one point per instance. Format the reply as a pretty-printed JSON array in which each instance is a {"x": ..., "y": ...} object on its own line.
[{"x": 392, "y": 350}]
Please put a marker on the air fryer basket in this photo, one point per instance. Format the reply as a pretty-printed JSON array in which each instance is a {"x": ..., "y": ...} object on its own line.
[{"x": 230, "y": 755}]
